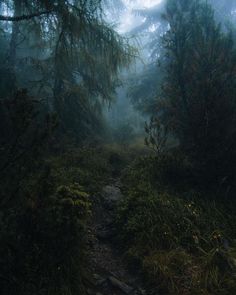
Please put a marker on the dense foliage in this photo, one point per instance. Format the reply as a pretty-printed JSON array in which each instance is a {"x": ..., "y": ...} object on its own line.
[
  {"x": 199, "y": 88},
  {"x": 60, "y": 65},
  {"x": 177, "y": 222},
  {"x": 189, "y": 86},
  {"x": 72, "y": 58},
  {"x": 181, "y": 240}
]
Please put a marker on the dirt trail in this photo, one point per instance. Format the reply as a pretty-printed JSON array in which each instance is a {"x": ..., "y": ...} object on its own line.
[{"x": 110, "y": 275}]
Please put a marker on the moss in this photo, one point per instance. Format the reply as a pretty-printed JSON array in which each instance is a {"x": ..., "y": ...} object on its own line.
[
  {"x": 183, "y": 242},
  {"x": 48, "y": 234}
]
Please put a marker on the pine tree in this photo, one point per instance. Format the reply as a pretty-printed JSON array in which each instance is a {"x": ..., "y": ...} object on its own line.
[{"x": 199, "y": 101}]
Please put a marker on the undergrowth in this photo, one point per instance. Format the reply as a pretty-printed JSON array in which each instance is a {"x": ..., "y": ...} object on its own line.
[
  {"x": 42, "y": 243},
  {"x": 184, "y": 242},
  {"x": 43, "y": 234}
]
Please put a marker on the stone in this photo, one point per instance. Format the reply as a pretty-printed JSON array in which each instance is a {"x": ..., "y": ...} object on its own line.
[
  {"x": 111, "y": 194},
  {"x": 120, "y": 285}
]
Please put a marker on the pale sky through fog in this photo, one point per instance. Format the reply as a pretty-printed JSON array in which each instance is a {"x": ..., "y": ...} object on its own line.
[{"x": 128, "y": 20}]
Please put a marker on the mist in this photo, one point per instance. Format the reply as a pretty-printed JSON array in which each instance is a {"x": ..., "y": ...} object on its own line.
[{"x": 117, "y": 147}]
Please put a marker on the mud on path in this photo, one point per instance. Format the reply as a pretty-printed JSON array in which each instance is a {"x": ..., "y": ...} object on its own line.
[{"x": 110, "y": 275}]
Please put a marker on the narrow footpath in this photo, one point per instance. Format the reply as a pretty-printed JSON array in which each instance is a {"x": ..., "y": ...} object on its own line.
[{"x": 110, "y": 275}]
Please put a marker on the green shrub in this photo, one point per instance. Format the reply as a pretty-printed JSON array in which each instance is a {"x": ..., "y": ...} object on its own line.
[
  {"x": 88, "y": 166},
  {"x": 183, "y": 242},
  {"x": 171, "y": 171},
  {"x": 42, "y": 245}
]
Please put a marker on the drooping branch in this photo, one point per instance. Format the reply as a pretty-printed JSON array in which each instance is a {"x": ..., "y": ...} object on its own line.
[{"x": 23, "y": 17}]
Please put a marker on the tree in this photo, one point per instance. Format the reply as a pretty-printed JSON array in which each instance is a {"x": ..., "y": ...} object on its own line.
[
  {"x": 199, "y": 101},
  {"x": 24, "y": 137},
  {"x": 73, "y": 58},
  {"x": 61, "y": 58},
  {"x": 145, "y": 85}
]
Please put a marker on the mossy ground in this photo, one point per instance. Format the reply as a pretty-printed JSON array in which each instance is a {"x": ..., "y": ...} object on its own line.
[{"x": 183, "y": 240}]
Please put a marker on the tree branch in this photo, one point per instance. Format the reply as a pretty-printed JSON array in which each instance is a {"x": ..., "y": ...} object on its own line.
[{"x": 23, "y": 17}]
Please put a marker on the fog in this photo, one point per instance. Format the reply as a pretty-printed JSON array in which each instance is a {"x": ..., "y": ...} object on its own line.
[
  {"x": 129, "y": 20},
  {"x": 143, "y": 23},
  {"x": 117, "y": 147},
  {"x": 133, "y": 23}
]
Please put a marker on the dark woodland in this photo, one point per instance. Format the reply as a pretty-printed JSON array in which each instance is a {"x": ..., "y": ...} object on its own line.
[{"x": 117, "y": 147}]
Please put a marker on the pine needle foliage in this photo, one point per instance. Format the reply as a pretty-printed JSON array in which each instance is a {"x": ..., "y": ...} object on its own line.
[
  {"x": 70, "y": 47},
  {"x": 198, "y": 98}
]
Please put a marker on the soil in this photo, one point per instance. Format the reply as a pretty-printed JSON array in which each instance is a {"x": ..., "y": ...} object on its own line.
[{"x": 110, "y": 274}]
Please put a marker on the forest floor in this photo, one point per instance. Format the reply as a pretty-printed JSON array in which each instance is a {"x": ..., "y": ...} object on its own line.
[
  {"x": 130, "y": 192},
  {"x": 148, "y": 233},
  {"x": 110, "y": 275}
]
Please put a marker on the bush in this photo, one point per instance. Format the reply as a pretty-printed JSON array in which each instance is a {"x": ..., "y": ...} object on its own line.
[
  {"x": 171, "y": 171},
  {"x": 183, "y": 243},
  {"x": 88, "y": 166},
  {"x": 42, "y": 244}
]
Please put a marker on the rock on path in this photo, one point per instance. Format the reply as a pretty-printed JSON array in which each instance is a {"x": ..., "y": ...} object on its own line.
[{"x": 110, "y": 274}]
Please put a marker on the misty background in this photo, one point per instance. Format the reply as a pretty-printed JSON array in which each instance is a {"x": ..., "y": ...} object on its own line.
[
  {"x": 117, "y": 147},
  {"x": 143, "y": 24}
]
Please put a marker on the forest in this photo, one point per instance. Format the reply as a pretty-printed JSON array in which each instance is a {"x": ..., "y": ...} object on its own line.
[{"x": 117, "y": 147}]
